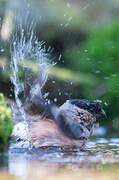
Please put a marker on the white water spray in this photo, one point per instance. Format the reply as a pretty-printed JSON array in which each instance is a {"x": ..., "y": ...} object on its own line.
[{"x": 27, "y": 52}]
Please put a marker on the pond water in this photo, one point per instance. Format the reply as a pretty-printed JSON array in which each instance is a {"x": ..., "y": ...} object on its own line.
[{"x": 100, "y": 160}]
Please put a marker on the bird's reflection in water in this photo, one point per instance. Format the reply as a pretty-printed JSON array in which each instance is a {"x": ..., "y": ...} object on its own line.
[
  {"x": 34, "y": 169},
  {"x": 99, "y": 161}
]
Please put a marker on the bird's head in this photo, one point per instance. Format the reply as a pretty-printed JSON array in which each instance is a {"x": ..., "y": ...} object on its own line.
[{"x": 91, "y": 106}]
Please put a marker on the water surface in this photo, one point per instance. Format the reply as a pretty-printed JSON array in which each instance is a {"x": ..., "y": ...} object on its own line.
[{"x": 100, "y": 160}]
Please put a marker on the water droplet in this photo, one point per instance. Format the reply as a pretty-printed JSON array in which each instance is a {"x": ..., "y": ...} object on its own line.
[
  {"x": 55, "y": 99},
  {"x": 114, "y": 75},
  {"x": 106, "y": 78},
  {"x": 60, "y": 93},
  {"x": 48, "y": 101},
  {"x": 60, "y": 56},
  {"x": 98, "y": 100},
  {"x": 22, "y": 30},
  {"x": 97, "y": 71},
  {"x": 14, "y": 43},
  {"x": 85, "y": 50},
  {"x": 3, "y": 68},
  {"x": 2, "y": 50},
  {"x": 46, "y": 94},
  {"x": 36, "y": 42},
  {"x": 105, "y": 103}
]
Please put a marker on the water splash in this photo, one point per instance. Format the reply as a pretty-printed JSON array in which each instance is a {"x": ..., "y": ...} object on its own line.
[{"x": 27, "y": 53}]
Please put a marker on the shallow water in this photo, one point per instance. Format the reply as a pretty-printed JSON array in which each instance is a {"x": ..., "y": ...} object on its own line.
[{"x": 100, "y": 160}]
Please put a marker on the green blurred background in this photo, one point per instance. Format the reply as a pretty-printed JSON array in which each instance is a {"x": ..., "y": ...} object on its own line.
[{"x": 84, "y": 35}]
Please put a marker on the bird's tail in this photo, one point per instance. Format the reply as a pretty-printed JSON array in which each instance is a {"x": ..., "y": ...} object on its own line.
[{"x": 34, "y": 101}]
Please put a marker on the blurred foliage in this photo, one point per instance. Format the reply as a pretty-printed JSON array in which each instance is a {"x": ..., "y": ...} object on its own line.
[
  {"x": 99, "y": 55},
  {"x": 5, "y": 123}
]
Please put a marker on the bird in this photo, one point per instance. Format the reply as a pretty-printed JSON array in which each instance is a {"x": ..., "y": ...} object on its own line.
[{"x": 67, "y": 126}]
